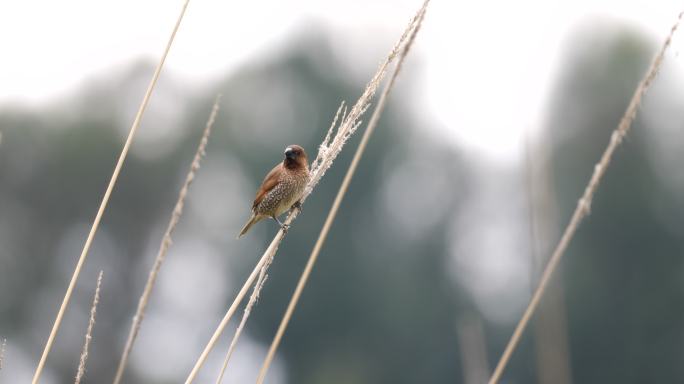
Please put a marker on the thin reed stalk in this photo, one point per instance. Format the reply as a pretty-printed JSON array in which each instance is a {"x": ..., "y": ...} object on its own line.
[
  {"x": 327, "y": 153},
  {"x": 105, "y": 199},
  {"x": 550, "y": 329},
  {"x": 267, "y": 257},
  {"x": 2, "y": 352},
  {"x": 584, "y": 204},
  {"x": 248, "y": 310},
  {"x": 472, "y": 346},
  {"x": 89, "y": 332},
  {"x": 375, "y": 117},
  {"x": 166, "y": 243}
]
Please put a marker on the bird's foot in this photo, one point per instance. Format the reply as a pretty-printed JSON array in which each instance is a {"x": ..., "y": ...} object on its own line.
[
  {"x": 283, "y": 226},
  {"x": 297, "y": 205}
]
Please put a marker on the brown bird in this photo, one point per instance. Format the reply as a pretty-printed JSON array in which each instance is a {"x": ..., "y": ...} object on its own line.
[{"x": 281, "y": 189}]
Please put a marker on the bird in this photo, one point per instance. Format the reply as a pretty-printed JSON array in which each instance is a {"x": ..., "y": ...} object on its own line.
[{"x": 281, "y": 189}]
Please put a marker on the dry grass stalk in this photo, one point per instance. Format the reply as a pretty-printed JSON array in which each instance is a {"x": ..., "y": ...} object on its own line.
[
  {"x": 375, "y": 117},
  {"x": 550, "y": 328},
  {"x": 2, "y": 351},
  {"x": 267, "y": 257},
  {"x": 327, "y": 152},
  {"x": 248, "y": 310},
  {"x": 89, "y": 331},
  {"x": 166, "y": 243},
  {"x": 584, "y": 204},
  {"x": 105, "y": 199},
  {"x": 472, "y": 345}
]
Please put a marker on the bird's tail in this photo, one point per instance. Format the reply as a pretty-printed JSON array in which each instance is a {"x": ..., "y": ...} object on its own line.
[{"x": 252, "y": 220}]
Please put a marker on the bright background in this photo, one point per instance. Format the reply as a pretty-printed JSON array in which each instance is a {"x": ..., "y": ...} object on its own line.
[{"x": 494, "y": 128}]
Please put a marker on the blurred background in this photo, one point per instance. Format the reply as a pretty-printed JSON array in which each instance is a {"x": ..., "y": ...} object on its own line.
[{"x": 488, "y": 141}]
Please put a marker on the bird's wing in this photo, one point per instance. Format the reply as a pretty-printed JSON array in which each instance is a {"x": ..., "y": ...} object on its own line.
[{"x": 270, "y": 181}]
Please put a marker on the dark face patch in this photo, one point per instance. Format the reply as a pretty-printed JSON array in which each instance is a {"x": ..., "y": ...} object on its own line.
[{"x": 295, "y": 157}]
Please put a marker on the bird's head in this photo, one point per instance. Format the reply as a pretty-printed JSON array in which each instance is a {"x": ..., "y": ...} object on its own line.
[{"x": 295, "y": 157}]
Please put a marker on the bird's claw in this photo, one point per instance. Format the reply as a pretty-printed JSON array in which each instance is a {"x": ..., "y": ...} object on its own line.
[
  {"x": 297, "y": 205},
  {"x": 283, "y": 226}
]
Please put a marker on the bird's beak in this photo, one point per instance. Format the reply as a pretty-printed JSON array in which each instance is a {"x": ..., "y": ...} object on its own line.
[{"x": 289, "y": 153}]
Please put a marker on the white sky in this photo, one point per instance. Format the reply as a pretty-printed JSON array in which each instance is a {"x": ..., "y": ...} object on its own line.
[{"x": 486, "y": 66}]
